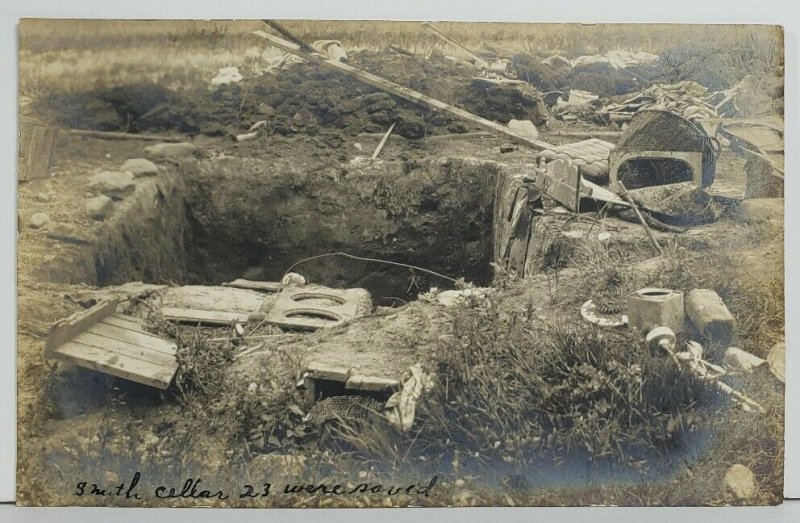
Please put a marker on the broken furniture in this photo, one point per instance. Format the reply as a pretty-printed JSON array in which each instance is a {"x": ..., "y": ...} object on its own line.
[
  {"x": 314, "y": 307},
  {"x": 651, "y": 307},
  {"x": 561, "y": 180},
  {"x": 101, "y": 339},
  {"x": 659, "y": 148}
]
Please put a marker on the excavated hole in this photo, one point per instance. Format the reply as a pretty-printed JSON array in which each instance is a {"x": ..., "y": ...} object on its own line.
[{"x": 218, "y": 220}]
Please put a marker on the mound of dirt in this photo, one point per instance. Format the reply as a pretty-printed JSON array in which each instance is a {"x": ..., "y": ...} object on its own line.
[
  {"x": 503, "y": 102},
  {"x": 301, "y": 99}
]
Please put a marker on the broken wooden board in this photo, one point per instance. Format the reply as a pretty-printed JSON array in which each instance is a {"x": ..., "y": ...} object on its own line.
[
  {"x": 316, "y": 307},
  {"x": 104, "y": 340},
  {"x": 399, "y": 90},
  {"x": 216, "y": 298},
  {"x": 265, "y": 286},
  {"x": 352, "y": 380},
  {"x": 202, "y": 317},
  {"x": 561, "y": 181}
]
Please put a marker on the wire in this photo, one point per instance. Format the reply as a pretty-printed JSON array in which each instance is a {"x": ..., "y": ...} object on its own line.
[{"x": 374, "y": 260}]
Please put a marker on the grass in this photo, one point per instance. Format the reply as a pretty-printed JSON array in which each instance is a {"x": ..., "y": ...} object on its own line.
[{"x": 83, "y": 54}]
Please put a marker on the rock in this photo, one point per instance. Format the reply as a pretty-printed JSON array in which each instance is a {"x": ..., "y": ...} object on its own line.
[
  {"x": 761, "y": 210},
  {"x": 113, "y": 183},
  {"x": 741, "y": 360},
  {"x": 227, "y": 75},
  {"x": 39, "y": 220},
  {"x": 66, "y": 232},
  {"x": 740, "y": 481},
  {"x": 523, "y": 128},
  {"x": 450, "y": 298},
  {"x": 140, "y": 167},
  {"x": 170, "y": 150},
  {"x": 98, "y": 207},
  {"x": 264, "y": 108},
  {"x": 710, "y": 315},
  {"x": 42, "y": 197},
  {"x": 293, "y": 278},
  {"x": 777, "y": 361}
]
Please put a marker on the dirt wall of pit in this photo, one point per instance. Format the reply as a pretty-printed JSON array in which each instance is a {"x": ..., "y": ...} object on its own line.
[
  {"x": 259, "y": 217},
  {"x": 146, "y": 237}
]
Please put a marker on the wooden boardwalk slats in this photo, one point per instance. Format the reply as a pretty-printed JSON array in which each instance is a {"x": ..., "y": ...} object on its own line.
[
  {"x": 111, "y": 363},
  {"x": 103, "y": 340}
]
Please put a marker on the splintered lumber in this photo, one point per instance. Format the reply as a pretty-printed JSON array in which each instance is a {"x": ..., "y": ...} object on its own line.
[
  {"x": 196, "y": 316},
  {"x": 379, "y": 148},
  {"x": 401, "y": 91},
  {"x": 106, "y": 341}
]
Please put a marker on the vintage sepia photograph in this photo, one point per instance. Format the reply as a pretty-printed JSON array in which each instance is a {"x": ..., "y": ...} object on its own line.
[{"x": 311, "y": 263}]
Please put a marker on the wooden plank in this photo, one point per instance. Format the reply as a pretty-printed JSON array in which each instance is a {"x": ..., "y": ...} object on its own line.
[
  {"x": 40, "y": 153},
  {"x": 140, "y": 339},
  {"x": 402, "y": 92},
  {"x": 121, "y": 320},
  {"x": 111, "y": 363},
  {"x": 67, "y": 328},
  {"x": 113, "y": 135},
  {"x": 265, "y": 286},
  {"x": 203, "y": 317},
  {"x": 124, "y": 349},
  {"x": 371, "y": 383}
]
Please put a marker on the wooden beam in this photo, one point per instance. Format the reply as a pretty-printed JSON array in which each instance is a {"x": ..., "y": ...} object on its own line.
[
  {"x": 402, "y": 92},
  {"x": 112, "y": 135}
]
